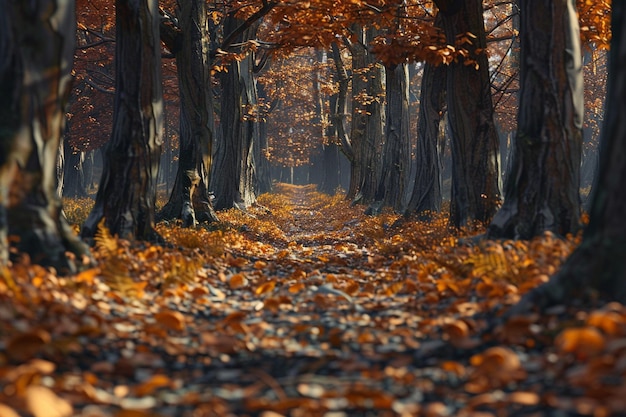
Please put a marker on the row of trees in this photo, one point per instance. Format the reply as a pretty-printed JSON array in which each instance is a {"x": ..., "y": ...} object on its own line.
[{"x": 238, "y": 40}]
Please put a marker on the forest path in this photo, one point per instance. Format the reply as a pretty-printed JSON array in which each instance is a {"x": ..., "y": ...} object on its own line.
[{"x": 301, "y": 306}]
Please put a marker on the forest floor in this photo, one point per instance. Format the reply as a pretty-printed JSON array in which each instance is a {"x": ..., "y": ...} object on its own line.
[{"x": 304, "y": 306}]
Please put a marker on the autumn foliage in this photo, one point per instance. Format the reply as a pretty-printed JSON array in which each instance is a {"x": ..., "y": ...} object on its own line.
[{"x": 304, "y": 306}]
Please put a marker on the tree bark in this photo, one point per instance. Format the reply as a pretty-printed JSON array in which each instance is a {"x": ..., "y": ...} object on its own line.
[
  {"x": 542, "y": 183},
  {"x": 37, "y": 42},
  {"x": 366, "y": 133},
  {"x": 395, "y": 156},
  {"x": 340, "y": 107},
  {"x": 263, "y": 168},
  {"x": 127, "y": 193},
  {"x": 234, "y": 170},
  {"x": 189, "y": 199},
  {"x": 475, "y": 195},
  {"x": 599, "y": 262},
  {"x": 72, "y": 181},
  {"x": 427, "y": 189}
]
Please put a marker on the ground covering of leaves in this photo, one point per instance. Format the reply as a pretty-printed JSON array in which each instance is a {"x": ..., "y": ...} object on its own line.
[{"x": 305, "y": 307}]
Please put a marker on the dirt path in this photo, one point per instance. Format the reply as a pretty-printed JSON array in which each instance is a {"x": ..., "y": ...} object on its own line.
[{"x": 301, "y": 307}]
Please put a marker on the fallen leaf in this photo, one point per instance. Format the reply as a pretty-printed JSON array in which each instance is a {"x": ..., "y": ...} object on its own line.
[
  {"x": 26, "y": 345},
  {"x": 172, "y": 320},
  {"x": 152, "y": 384},
  {"x": 583, "y": 342},
  {"x": 265, "y": 287},
  {"x": 43, "y": 402},
  {"x": 237, "y": 281}
]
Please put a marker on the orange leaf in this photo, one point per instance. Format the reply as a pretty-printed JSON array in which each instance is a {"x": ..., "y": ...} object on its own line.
[
  {"x": 43, "y": 402},
  {"x": 394, "y": 288},
  {"x": 87, "y": 276},
  {"x": 352, "y": 288},
  {"x": 6, "y": 411},
  {"x": 453, "y": 367},
  {"x": 152, "y": 384},
  {"x": 584, "y": 342},
  {"x": 499, "y": 364},
  {"x": 260, "y": 265},
  {"x": 524, "y": 398},
  {"x": 296, "y": 288},
  {"x": 265, "y": 287},
  {"x": 173, "y": 320},
  {"x": 199, "y": 292},
  {"x": 609, "y": 322},
  {"x": 456, "y": 331},
  {"x": 271, "y": 304},
  {"x": 237, "y": 281},
  {"x": 237, "y": 262}
]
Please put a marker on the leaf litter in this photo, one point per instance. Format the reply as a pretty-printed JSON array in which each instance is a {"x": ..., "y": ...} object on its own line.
[{"x": 303, "y": 306}]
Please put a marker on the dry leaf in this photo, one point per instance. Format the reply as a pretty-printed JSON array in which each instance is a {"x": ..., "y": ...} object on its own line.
[
  {"x": 27, "y": 345},
  {"x": 152, "y": 384},
  {"x": 265, "y": 287},
  {"x": 237, "y": 281},
  {"x": 583, "y": 342},
  {"x": 43, "y": 402},
  {"x": 171, "y": 320},
  {"x": 6, "y": 411}
]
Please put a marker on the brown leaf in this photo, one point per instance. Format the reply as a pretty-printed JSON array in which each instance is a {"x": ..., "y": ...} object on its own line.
[
  {"x": 172, "y": 320},
  {"x": 6, "y": 411},
  {"x": 27, "y": 345},
  {"x": 152, "y": 384},
  {"x": 524, "y": 398},
  {"x": 43, "y": 402},
  {"x": 265, "y": 287},
  {"x": 237, "y": 281},
  {"x": 583, "y": 341}
]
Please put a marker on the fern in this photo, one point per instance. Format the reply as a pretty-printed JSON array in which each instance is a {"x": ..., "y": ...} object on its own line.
[
  {"x": 115, "y": 262},
  {"x": 180, "y": 269},
  {"x": 106, "y": 243},
  {"x": 492, "y": 262}
]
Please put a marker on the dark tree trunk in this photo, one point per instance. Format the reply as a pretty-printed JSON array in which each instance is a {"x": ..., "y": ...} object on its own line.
[
  {"x": 234, "y": 170},
  {"x": 263, "y": 169},
  {"x": 189, "y": 200},
  {"x": 366, "y": 134},
  {"x": 74, "y": 183},
  {"x": 329, "y": 158},
  {"x": 475, "y": 195},
  {"x": 127, "y": 192},
  {"x": 427, "y": 189},
  {"x": 340, "y": 107},
  {"x": 330, "y": 179},
  {"x": 395, "y": 155},
  {"x": 599, "y": 262},
  {"x": 37, "y": 42},
  {"x": 542, "y": 183}
]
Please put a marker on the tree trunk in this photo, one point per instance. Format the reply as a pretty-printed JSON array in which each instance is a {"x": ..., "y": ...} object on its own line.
[
  {"x": 542, "y": 184},
  {"x": 127, "y": 192},
  {"x": 263, "y": 168},
  {"x": 599, "y": 262},
  {"x": 475, "y": 194},
  {"x": 396, "y": 148},
  {"x": 73, "y": 176},
  {"x": 340, "y": 107},
  {"x": 234, "y": 171},
  {"x": 37, "y": 42},
  {"x": 189, "y": 200},
  {"x": 427, "y": 189},
  {"x": 366, "y": 133}
]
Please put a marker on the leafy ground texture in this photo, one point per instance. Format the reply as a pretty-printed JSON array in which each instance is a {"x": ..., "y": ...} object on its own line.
[{"x": 303, "y": 306}]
